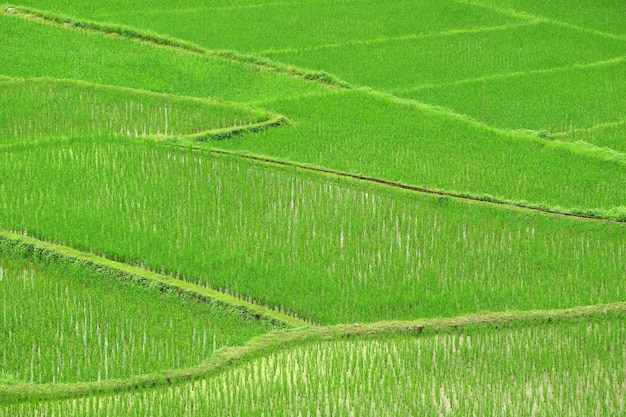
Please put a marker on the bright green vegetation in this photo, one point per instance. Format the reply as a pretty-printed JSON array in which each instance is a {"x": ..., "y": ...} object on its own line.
[
  {"x": 144, "y": 277},
  {"x": 555, "y": 101},
  {"x": 403, "y": 144},
  {"x": 61, "y": 322},
  {"x": 411, "y": 144},
  {"x": 571, "y": 368},
  {"x": 610, "y": 135},
  {"x": 604, "y": 15},
  {"x": 217, "y": 26},
  {"x": 300, "y": 243},
  {"x": 40, "y": 108},
  {"x": 443, "y": 58},
  {"x": 31, "y": 49}
]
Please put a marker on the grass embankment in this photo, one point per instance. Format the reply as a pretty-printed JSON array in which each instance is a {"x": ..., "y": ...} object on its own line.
[
  {"x": 258, "y": 63},
  {"x": 231, "y": 359},
  {"x": 68, "y": 108},
  {"x": 96, "y": 324},
  {"x": 297, "y": 242},
  {"x": 32, "y": 49},
  {"x": 408, "y": 143},
  {"x": 123, "y": 271}
]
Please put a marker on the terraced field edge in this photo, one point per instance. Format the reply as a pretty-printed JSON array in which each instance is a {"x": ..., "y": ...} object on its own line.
[
  {"x": 31, "y": 245},
  {"x": 272, "y": 342},
  {"x": 266, "y": 64},
  {"x": 616, "y": 214}
]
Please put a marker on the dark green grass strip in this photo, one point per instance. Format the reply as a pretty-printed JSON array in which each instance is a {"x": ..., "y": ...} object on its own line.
[
  {"x": 265, "y": 64},
  {"x": 54, "y": 250},
  {"x": 272, "y": 342}
]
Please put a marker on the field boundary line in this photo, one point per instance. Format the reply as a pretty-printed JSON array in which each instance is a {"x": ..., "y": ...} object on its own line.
[
  {"x": 618, "y": 215},
  {"x": 202, "y": 8},
  {"x": 254, "y": 310},
  {"x": 286, "y": 339},
  {"x": 516, "y": 74},
  {"x": 260, "y": 63},
  {"x": 272, "y": 119},
  {"x": 621, "y": 122},
  {"x": 399, "y": 38},
  {"x": 520, "y": 13}
]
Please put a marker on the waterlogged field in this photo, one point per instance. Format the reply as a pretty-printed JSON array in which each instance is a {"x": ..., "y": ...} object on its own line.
[
  {"x": 66, "y": 108},
  {"x": 567, "y": 368},
  {"x": 301, "y": 243},
  {"x": 65, "y": 323},
  {"x": 509, "y": 102}
]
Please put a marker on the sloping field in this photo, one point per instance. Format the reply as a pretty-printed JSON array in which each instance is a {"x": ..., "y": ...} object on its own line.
[
  {"x": 447, "y": 57},
  {"x": 509, "y": 371},
  {"x": 581, "y": 97},
  {"x": 90, "y": 326},
  {"x": 304, "y": 242},
  {"x": 44, "y": 108},
  {"x": 458, "y": 165}
]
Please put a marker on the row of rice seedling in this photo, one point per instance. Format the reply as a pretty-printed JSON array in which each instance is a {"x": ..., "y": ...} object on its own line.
[
  {"x": 288, "y": 25},
  {"x": 569, "y": 368},
  {"x": 554, "y": 101},
  {"x": 330, "y": 252},
  {"x": 608, "y": 135},
  {"x": 604, "y": 16},
  {"x": 61, "y": 322},
  {"x": 362, "y": 133},
  {"x": 402, "y": 145},
  {"x": 439, "y": 59},
  {"x": 32, "y": 49},
  {"x": 39, "y": 108}
]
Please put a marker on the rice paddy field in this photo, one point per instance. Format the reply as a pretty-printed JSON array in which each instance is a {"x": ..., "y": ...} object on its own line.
[{"x": 312, "y": 208}]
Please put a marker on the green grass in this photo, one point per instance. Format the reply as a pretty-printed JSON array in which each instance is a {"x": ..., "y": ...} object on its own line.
[
  {"x": 362, "y": 133},
  {"x": 572, "y": 367},
  {"x": 299, "y": 243},
  {"x": 326, "y": 23},
  {"x": 32, "y": 49},
  {"x": 201, "y": 243},
  {"x": 604, "y": 15},
  {"x": 446, "y": 58},
  {"x": 612, "y": 136},
  {"x": 91, "y": 327},
  {"x": 43, "y": 108},
  {"x": 554, "y": 101}
]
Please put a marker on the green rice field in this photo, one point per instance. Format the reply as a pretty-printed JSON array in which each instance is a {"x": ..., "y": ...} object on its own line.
[{"x": 312, "y": 208}]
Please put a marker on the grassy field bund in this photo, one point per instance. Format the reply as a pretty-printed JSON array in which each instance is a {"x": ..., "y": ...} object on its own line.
[{"x": 312, "y": 208}]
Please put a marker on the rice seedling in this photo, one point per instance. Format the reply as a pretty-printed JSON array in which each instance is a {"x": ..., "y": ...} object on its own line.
[
  {"x": 64, "y": 323},
  {"x": 32, "y": 49},
  {"x": 287, "y": 25},
  {"x": 572, "y": 368},
  {"x": 436, "y": 59},
  {"x": 43, "y": 108},
  {"x": 362, "y": 133},
  {"x": 604, "y": 16},
  {"x": 575, "y": 98},
  {"x": 329, "y": 252}
]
